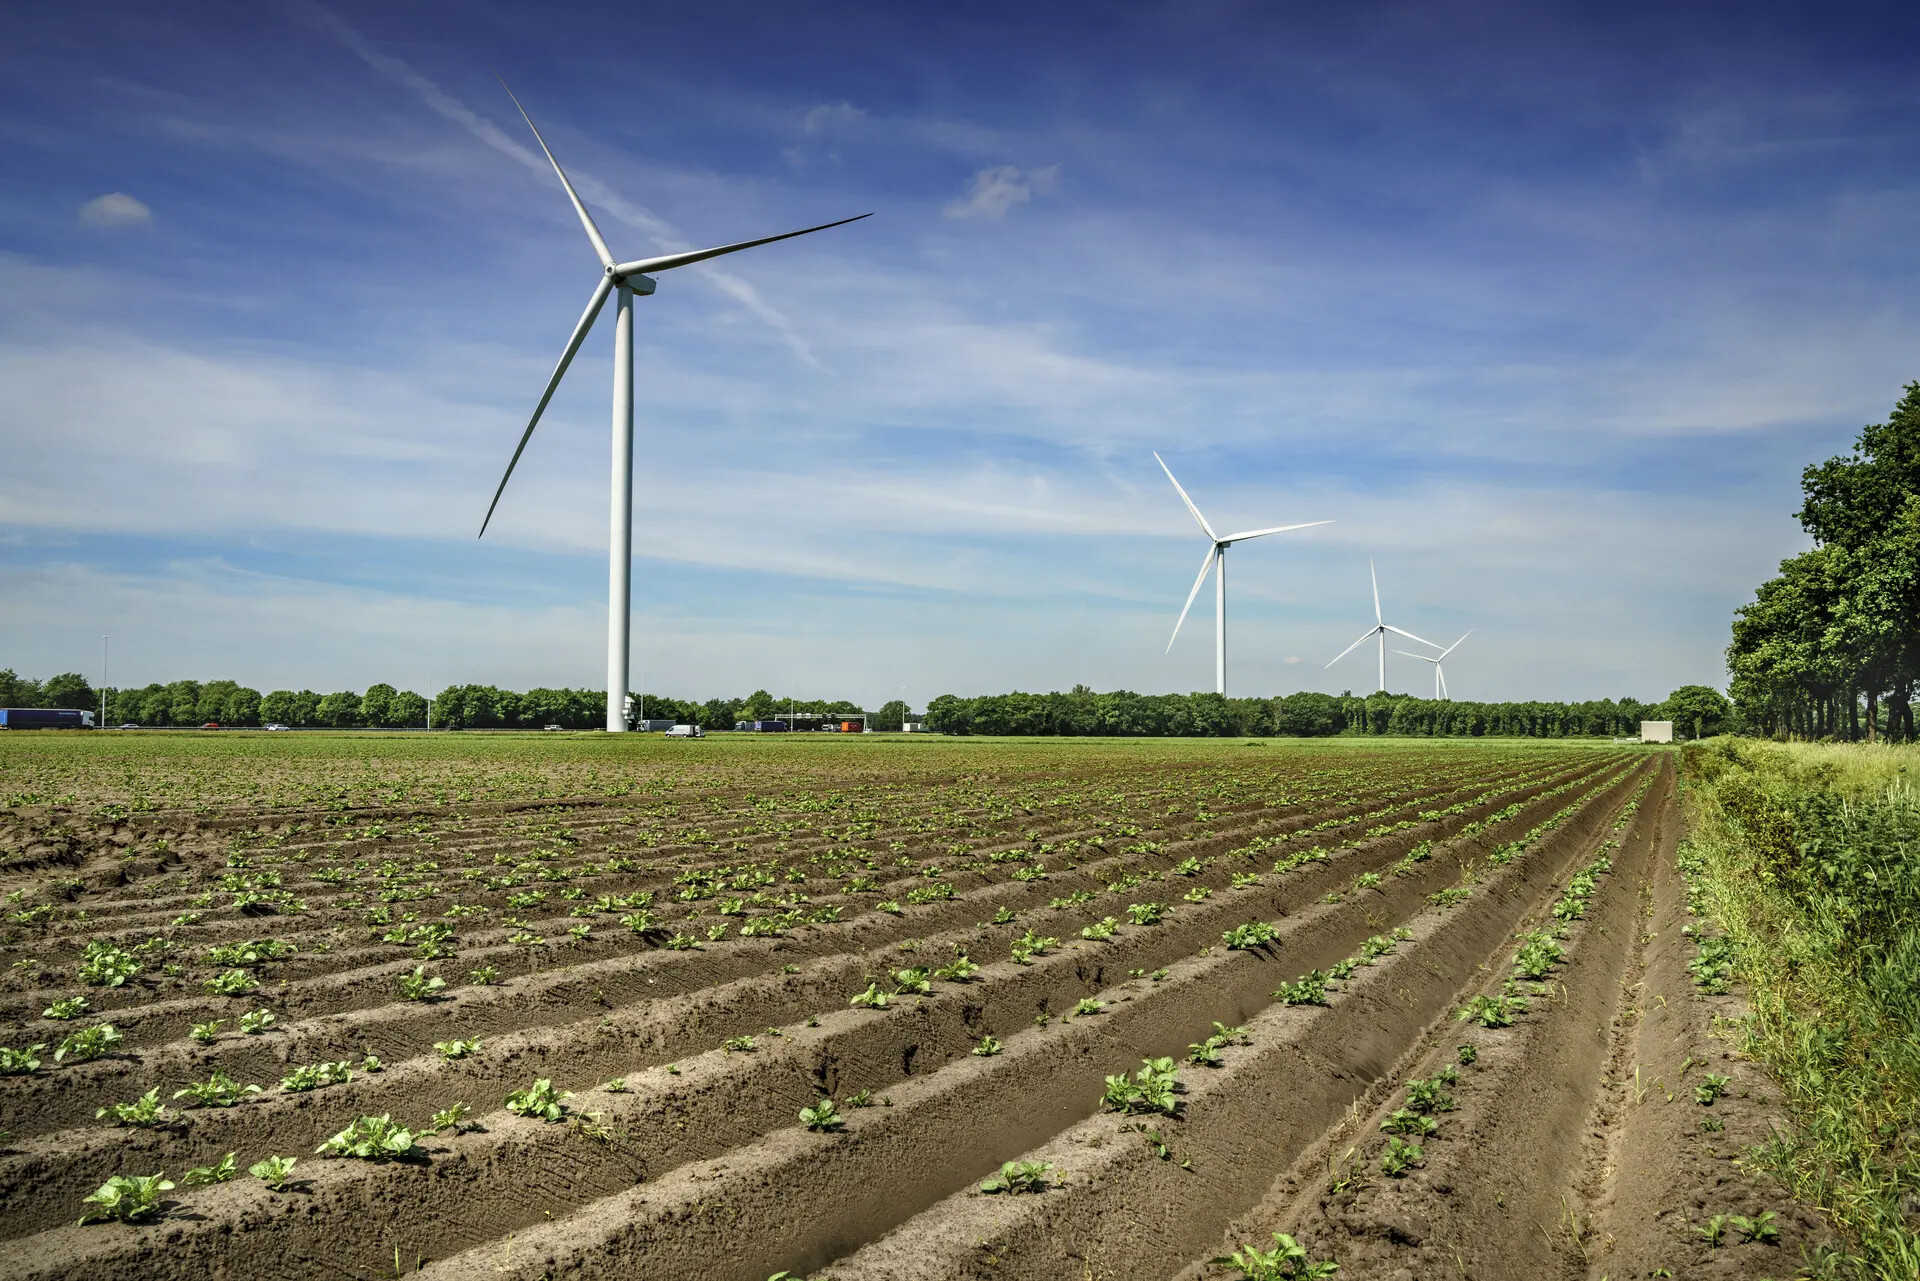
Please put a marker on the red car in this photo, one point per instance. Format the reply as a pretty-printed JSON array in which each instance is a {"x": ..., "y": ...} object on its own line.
[{"x": 211, "y": 725}]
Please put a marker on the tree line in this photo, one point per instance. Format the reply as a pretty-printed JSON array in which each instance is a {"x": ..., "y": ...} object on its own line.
[
  {"x": 1830, "y": 647},
  {"x": 1697, "y": 711}
]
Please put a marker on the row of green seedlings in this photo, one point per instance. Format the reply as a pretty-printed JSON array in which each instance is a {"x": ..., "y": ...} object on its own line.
[
  {"x": 433, "y": 940},
  {"x": 136, "y": 1198}
]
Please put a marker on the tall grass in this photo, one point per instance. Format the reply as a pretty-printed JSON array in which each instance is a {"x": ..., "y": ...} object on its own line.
[{"x": 1807, "y": 858}]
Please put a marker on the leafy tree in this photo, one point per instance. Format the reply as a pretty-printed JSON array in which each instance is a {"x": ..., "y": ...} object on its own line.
[
  {"x": 339, "y": 710},
  {"x": 1700, "y": 710},
  {"x": 376, "y": 705},
  {"x": 892, "y": 715},
  {"x": 406, "y": 709},
  {"x": 69, "y": 689}
]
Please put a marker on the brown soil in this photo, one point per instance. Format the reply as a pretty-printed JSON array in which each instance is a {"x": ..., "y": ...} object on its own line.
[{"x": 699, "y": 1167}]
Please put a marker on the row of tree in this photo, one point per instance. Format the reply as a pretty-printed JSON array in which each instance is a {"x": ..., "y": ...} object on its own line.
[
  {"x": 1831, "y": 646},
  {"x": 1696, "y": 710}
]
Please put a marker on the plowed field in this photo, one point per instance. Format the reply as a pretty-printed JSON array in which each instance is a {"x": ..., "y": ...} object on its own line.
[{"x": 1183, "y": 987}]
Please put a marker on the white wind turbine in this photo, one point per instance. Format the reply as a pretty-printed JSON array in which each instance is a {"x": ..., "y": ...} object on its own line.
[
  {"x": 626, "y": 279},
  {"x": 1439, "y": 677},
  {"x": 1380, "y": 629},
  {"x": 1217, "y": 552}
]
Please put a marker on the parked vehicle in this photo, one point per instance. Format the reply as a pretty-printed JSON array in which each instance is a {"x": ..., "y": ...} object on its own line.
[{"x": 686, "y": 731}]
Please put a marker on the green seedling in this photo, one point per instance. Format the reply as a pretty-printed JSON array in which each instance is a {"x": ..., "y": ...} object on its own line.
[
  {"x": 618, "y": 1085},
  {"x": 418, "y": 985},
  {"x": 822, "y": 1116},
  {"x": 1761, "y": 1228},
  {"x": 372, "y": 1063},
  {"x": 1710, "y": 1089},
  {"x": 1429, "y": 1095},
  {"x": 958, "y": 970},
  {"x": 912, "y": 982},
  {"x": 1287, "y": 1261},
  {"x": 988, "y": 1046},
  {"x": 1146, "y": 913},
  {"x": 317, "y": 1076},
  {"x": 1468, "y": 1055},
  {"x": 871, "y": 999},
  {"x": 862, "y": 1099},
  {"x": 256, "y": 1022},
  {"x": 1087, "y": 1005},
  {"x": 457, "y": 1049},
  {"x": 127, "y": 1199},
  {"x": 540, "y": 1100},
  {"x": 1003, "y": 916},
  {"x": 218, "y": 1091},
  {"x": 1198, "y": 894},
  {"x": 1019, "y": 1176},
  {"x": 274, "y": 1171},
  {"x": 373, "y": 1138},
  {"x": 1252, "y": 934},
  {"x": 1714, "y": 1229},
  {"x": 220, "y": 1172},
  {"x": 1538, "y": 954},
  {"x": 1403, "y": 1121},
  {"x": 1311, "y": 989},
  {"x": 20, "y": 1062},
  {"x": 206, "y": 1033},
  {"x": 231, "y": 983},
  {"x": 71, "y": 1007},
  {"x": 742, "y": 1044},
  {"x": 1400, "y": 1157},
  {"x": 683, "y": 943},
  {"x": 144, "y": 1111},
  {"x": 448, "y": 1118},
  {"x": 1150, "y": 1089},
  {"x": 1100, "y": 931},
  {"x": 1491, "y": 1011},
  {"x": 890, "y": 906},
  {"x": 88, "y": 1043},
  {"x": 485, "y": 976},
  {"x": 104, "y": 964}
]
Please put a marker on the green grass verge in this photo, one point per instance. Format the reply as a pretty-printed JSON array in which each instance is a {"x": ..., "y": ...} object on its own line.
[{"x": 1804, "y": 861}]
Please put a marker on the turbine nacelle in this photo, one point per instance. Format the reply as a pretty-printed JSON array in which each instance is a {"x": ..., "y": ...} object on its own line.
[{"x": 642, "y": 285}]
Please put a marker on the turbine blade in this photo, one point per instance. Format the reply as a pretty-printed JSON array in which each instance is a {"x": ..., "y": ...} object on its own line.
[
  {"x": 667, "y": 262},
  {"x": 1364, "y": 638},
  {"x": 1409, "y": 635},
  {"x": 1425, "y": 658},
  {"x": 1456, "y": 645},
  {"x": 599, "y": 299},
  {"x": 1277, "y": 529},
  {"x": 1376, "y": 590},
  {"x": 1205, "y": 565},
  {"x": 1204, "y": 527},
  {"x": 586, "y": 220}
]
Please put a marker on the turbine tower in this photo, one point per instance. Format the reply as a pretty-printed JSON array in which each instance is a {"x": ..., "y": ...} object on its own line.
[
  {"x": 1217, "y": 552},
  {"x": 1439, "y": 677},
  {"x": 624, "y": 279},
  {"x": 1380, "y": 629}
]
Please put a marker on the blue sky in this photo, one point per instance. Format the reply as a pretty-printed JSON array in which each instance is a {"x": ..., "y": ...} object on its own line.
[{"x": 1544, "y": 307}]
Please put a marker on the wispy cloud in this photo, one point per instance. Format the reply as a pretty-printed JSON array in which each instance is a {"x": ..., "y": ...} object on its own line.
[
  {"x": 115, "y": 209},
  {"x": 991, "y": 192},
  {"x": 638, "y": 216}
]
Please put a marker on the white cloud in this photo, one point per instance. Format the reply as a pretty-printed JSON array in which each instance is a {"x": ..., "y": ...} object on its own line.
[
  {"x": 829, "y": 116},
  {"x": 115, "y": 209},
  {"x": 999, "y": 188}
]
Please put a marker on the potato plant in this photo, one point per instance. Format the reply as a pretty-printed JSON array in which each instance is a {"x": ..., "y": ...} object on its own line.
[
  {"x": 1150, "y": 1089},
  {"x": 1287, "y": 1261},
  {"x": 541, "y": 1100},
  {"x": 20, "y": 1062},
  {"x": 88, "y": 1043},
  {"x": 144, "y": 1112},
  {"x": 125, "y": 1198},
  {"x": 1019, "y": 1176},
  {"x": 220, "y": 1171},
  {"x": 71, "y": 1007},
  {"x": 275, "y": 1170},
  {"x": 822, "y": 1116},
  {"x": 218, "y": 1091},
  {"x": 371, "y": 1138}
]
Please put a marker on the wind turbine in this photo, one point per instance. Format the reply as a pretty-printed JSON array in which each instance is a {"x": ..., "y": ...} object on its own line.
[
  {"x": 1380, "y": 629},
  {"x": 1439, "y": 677},
  {"x": 625, "y": 279},
  {"x": 1217, "y": 552}
]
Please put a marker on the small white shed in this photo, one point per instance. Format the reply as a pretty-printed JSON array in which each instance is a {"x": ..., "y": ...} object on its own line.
[{"x": 1656, "y": 731}]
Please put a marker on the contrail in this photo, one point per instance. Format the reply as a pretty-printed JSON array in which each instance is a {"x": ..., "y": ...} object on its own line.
[{"x": 639, "y": 217}]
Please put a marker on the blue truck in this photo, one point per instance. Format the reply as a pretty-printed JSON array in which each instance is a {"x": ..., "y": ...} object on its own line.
[{"x": 44, "y": 718}]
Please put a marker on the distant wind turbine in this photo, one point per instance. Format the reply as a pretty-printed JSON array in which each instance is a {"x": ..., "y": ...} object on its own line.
[
  {"x": 626, "y": 279},
  {"x": 1439, "y": 677},
  {"x": 1380, "y": 629},
  {"x": 1217, "y": 552}
]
